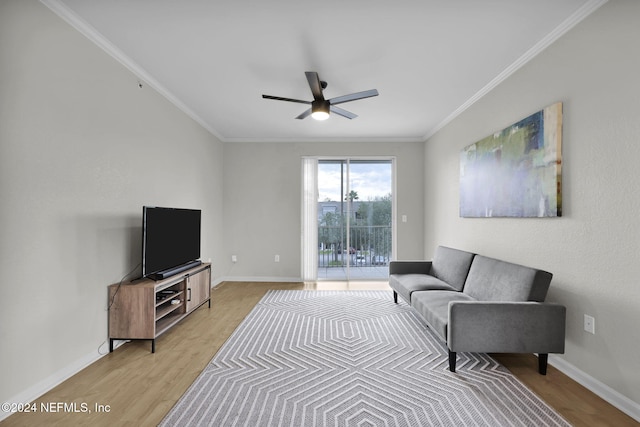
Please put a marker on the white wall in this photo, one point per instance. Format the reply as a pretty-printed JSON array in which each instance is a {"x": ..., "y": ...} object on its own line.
[
  {"x": 82, "y": 149},
  {"x": 593, "y": 248},
  {"x": 262, "y": 202}
]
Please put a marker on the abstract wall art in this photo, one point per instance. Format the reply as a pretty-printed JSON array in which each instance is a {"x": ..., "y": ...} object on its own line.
[{"x": 516, "y": 172}]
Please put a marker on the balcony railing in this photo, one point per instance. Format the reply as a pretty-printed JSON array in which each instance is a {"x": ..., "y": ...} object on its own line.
[{"x": 368, "y": 247}]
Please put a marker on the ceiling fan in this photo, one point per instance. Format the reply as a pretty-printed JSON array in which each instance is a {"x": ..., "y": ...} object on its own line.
[{"x": 321, "y": 107}]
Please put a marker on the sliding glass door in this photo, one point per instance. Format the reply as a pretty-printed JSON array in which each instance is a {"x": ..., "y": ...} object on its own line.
[{"x": 355, "y": 212}]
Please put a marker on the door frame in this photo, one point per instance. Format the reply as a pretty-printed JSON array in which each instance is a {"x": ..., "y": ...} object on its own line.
[{"x": 309, "y": 214}]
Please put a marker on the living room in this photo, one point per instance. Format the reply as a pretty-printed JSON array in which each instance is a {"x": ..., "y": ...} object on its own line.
[{"x": 83, "y": 148}]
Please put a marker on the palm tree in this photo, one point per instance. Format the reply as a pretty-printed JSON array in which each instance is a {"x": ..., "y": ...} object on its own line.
[{"x": 353, "y": 195}]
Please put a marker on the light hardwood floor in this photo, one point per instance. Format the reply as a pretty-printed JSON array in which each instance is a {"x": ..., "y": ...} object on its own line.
[{"x": 140, "y": 387}]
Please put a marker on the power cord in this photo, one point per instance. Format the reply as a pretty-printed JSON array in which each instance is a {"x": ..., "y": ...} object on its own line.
[
  {"x": 120, "y": 284},
  {"x": 113, "y": 300}
]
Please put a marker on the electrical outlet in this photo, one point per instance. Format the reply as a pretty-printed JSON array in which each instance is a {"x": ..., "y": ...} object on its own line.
[
  {"x": 277, "y": 258},
  {"x": 589, "y": 324},
  {"x": 234, "y": 258}
]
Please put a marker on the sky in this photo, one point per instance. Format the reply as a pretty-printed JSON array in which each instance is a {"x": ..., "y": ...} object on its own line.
[{"x": 370, "y": 180}]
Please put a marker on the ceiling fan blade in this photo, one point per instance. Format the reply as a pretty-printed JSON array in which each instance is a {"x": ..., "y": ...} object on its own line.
[
  {"x": 353, "y": 96},
  {"x": 279, "y": 98},
  {"x": 315, "y": 85},
  {"x": 344, "y": 113},
  {"x": 304, "y": 115}
]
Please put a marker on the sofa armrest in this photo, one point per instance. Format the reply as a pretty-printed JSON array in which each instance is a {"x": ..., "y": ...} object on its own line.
[
  {"x": 506, "y": 327},
  {"x": 409, "y": 267}
]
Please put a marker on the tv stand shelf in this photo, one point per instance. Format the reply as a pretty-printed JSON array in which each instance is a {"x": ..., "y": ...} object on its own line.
[
  {"x": 167, "y": 309},
  {"x": 145, "y": 309}
]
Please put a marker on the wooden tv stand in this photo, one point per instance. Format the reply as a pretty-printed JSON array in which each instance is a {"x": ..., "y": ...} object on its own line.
[{"x": 144, "y": 309}]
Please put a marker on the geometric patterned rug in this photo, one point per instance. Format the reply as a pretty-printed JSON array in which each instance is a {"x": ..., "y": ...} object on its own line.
[{"x": 350, "y": 358}]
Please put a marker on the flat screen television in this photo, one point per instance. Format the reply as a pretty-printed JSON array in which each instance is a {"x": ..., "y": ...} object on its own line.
[{"x": 170, "y": 240}]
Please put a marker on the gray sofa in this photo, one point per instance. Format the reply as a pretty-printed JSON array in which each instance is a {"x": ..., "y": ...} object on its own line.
[{"x": 482, "y": 305}]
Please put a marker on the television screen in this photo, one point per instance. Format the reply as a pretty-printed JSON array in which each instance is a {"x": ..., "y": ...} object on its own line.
[{"x": 170, "y": 238}]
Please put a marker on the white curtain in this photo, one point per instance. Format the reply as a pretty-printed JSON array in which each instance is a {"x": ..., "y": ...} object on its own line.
[{"x": 309, "y": 219}]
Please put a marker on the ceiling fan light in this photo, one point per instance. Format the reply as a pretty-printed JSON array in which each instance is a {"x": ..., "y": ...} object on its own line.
[
  {"x": 320, "y": 115},
  {"x": 320, "y": 110}
]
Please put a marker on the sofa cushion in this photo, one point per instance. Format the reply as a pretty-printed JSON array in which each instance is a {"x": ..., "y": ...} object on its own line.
[
  {"x": 407, "y": 284},
  {"x": 433, "y": 306},
  {"x": 451, "y": 266},
  {"x": 494, "y": 280}
]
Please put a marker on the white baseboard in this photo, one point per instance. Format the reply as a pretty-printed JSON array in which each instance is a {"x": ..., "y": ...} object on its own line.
[
  {"x": 219, "y": 280},
  {"x": 40, "y": 388},
  {"x": 618, "y": 400}
]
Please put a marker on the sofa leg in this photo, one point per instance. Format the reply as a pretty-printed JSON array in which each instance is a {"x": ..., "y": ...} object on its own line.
[
  {"x": 542, "y": 363},
  {"x": 395, "y": 297},
  {"x": 452, "y": 361}
]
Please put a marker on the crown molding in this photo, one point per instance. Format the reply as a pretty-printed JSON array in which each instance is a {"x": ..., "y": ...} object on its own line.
[
  {"x": 577, "y": 17},
  {"x": 87, "y": 30},
  {"x": 326, "y": 139},
  {"x": 93, "y": 35}
]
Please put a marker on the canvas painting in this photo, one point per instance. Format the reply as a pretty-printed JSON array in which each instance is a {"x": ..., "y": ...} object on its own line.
[{"x": 515, "y": 172}]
